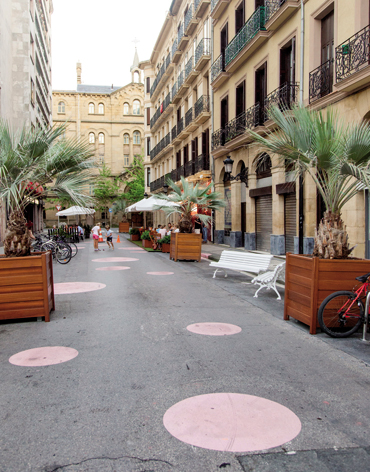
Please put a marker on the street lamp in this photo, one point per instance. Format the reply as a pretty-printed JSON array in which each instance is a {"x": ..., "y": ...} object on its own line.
[
  {"x": 165, "y": 188},
  {"x": 146, "y": 195},
  {"x": 242, "y": 176}
]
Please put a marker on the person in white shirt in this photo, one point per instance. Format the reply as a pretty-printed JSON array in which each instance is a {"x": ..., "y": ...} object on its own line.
[
  {"x": 162, "y": 231},
  {"x": 95, "y": 232},
  {"x": 176, "y": 230}
]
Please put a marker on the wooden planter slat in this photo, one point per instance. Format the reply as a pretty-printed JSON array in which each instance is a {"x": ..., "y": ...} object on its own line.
[
  {"x": 26, "y": 287},
  {"x": 186, "y": 246},
  {"x": 309, "y": 280},
  {"x": 123, "y": 227}
]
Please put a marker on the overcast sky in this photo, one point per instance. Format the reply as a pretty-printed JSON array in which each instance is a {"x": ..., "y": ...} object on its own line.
[{"x": 100, "y": 34}]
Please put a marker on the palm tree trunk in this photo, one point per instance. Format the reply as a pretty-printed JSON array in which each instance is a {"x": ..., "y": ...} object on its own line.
[
  {"x": 17, "y": 242},
  {"x": 185, "y": 225},
  {"x": 331, "y": 238}
]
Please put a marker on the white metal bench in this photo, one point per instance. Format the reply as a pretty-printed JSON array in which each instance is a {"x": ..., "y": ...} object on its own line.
[
  {"x": 245, "y": 261},
  {"x": 269, "y": 279}
]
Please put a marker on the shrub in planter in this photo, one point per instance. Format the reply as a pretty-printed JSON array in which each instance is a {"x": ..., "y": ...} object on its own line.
[
  {"x": 165, "y": 243},
  {"x": 145, "y": 237},
  {"x": 134, "y": 234}
]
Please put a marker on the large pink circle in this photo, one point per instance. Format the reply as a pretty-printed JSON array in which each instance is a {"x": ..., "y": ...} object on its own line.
[
  {"x": 113, "y": 268},
  {"x": 41, "y": 356},
  {"x": 160, "y": 273},
  {"x": 214, "y": 329},
  {"x": 115, "y": 259},
  {"x": 76, "y": 287},
  {"x": 231, "y": 422}
]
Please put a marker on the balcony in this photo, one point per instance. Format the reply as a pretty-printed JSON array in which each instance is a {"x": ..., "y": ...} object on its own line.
[
  {"x": 162, "y": 111},
  {"x": 180, "y": 172},
  {"x": 162, "y": 145},
  {"x": 218, "y": 7},
  {"x": 182, "y": 87},
  {"x": 200, "y": 7},
  {"x": 163, "y": 73},
  {"x": 218, "y": 74},
  {"x": 190, "y": 124},
  {"x": 238, "y": 126},
  {"x": 352, "y": 62},
  {"x": 218, "y": 139},
  {"x": 174, "y": 133},
  {"x": 284, "y": 97},
  {"x": 321, "y": 81},
  {"x": 191, "y": 21},
  {"x": 179, "y": 129},
  {"x": 173, "y": 175},
  {"x": 190, "y": 72},
  {"x": 189, "y": 168},
  {"x": 176, "y": 53},
  {"x": 278, "y": 11},
  {"x": 202, "y": 163},
  {"x": 251, "y": 37},
  {"x": 202, "y": 110},
  {"x": 182, "y": 40},
  {"x": 202, "y": 53}
]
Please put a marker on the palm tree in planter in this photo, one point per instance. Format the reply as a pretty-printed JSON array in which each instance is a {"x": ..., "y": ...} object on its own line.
[
  {"x": 188, "y": 202},
  {"x": 34, "y": 164},
  {"x": 337, "y": 158}
]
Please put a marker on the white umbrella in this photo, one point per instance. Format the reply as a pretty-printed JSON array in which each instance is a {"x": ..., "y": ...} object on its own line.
[
  {"x": 150, "y": 203},
  {"x": 130, "y": 208},
  {"x": 76, "y": 210}
]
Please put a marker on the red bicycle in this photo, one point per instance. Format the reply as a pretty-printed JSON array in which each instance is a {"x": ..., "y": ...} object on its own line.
[{"x": 342, "y": 313}]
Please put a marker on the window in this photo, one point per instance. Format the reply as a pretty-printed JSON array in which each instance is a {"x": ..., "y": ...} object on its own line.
[
  {"x": 126, "y": 160},
  {"x": 136, "y": 107},
  {"x": 239, "y": 17},
  {"x": 101, "y": 138},
  {"x": 32, "y": 93},
  {"x": 148, "y": 146},
  {"x": 91, "y": 108},
  {"x": 61, "y": 107},
  {"x": 101, "y": 109},
  {"x": 91, "y": 138},
  {"x": 263, "y": 166},
  {"x": 136, "y": 77},
  {"x": 126, "y": 139},
  {"x": 32, "y": 44},
  {"x": 137, "y": 138},
  {"x": 125, "y": 109},
  {"x": 148, "y": 176},
  {"x": 148, "y": 85}
]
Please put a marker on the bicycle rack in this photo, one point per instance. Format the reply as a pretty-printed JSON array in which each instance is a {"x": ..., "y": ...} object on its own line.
[{"x": 367, "y": 305}]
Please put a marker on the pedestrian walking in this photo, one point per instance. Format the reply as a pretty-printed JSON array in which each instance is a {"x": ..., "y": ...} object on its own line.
[
  {"x": 95, "y": 232},
  {"x": 109, "y": 237},
  {"x": 204, "y": 232}
]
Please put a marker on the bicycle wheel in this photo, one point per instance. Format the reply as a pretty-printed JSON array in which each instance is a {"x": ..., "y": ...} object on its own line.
[
  {"x": 338, "y": 316},
  {"x": 74, "y": 248},
  {"x": 63, "y": 255}
]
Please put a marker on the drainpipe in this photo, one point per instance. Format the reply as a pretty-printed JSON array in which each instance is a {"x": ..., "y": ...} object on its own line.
[
  {"x": 300, "y": 196},
  {"x": 212, "y": 127}
]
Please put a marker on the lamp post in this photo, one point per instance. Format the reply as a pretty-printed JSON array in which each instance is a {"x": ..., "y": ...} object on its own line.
[
  {"x": 242, "y": 176},
  {"x": 165, "y": 188},
  {"x": 146, "y": 195}
]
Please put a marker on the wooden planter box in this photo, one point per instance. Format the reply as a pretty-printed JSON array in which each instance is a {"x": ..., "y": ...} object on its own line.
[
  {"x": 186, "y": 246},
  {"x": 309, "y": 280},
  {"x": 147, "y": 243},
  {"x": 135, "y": 237},
  {"x": 123, "y": 227},
  {"x": 26, "y": 286},
  {"x": 166, "y": 247}
]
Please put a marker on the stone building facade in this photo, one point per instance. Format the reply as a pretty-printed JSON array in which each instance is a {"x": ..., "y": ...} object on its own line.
[
  {"x": 177, "y": 99},
  {"x": 110, "y": 118},
  {"x": 259, "y": 59}
]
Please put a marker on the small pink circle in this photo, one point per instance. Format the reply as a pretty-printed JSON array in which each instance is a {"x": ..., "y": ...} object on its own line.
[
  {"x": 41, "y": 356},
  {"x": 231, "y": 422},
  {"x": 160, "y": 273},
  {"x": 115, "y": 259},
  {"x": 76, "y": 287},
  {"x": 113, "y": 268},
  {"x": 214, "y": 329}
]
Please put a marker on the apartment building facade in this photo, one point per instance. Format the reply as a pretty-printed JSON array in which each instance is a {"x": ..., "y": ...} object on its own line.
[
  {"x": 177, "y": 98},
  {"x": 283, "y": 52}
]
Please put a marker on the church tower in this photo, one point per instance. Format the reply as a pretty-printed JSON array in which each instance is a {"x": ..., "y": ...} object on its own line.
[{"x": 134, "y": 69}]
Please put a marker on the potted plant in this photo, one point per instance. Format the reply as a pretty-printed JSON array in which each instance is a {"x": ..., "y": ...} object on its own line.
[
  {"x": 134, "y": 234},
  {"x": 145, "y": 237},
  {"x": 189, "y": 201},
  {"x": 336, "y": 157},
  {"x": 34, "y": 164},
  {"x": 165, "y": 243}
]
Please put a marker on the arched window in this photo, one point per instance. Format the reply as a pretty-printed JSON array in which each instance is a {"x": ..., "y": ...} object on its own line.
[
  {"x": 137, "y": 138},
  {"x": 91, "y": 138},
  {"x": 126, "y": 139},
  {"x": 91, "y": 108},
  {"x": 101, "y": 138},
  {"x": 101, "y": 108},
  {"x": 263, "y": 166},
  {"x": 61, "y": 107},
  {"x": 125, "y": 109},
  {"x": 136, "y": 107}
]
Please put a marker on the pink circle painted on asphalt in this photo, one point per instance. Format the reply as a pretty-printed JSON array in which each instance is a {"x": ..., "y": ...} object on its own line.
[
  {"x": 115, "y": 259},
  {"x": 231, "y": 422},
  {"x": 76, "y": 287},
  {"x": 214, "y": 329},
  {"x": 113, "y": 268},
  {"x": 160, "y": 273},
  {"x": 41, "y": 356},
  {"x": 132, "y": 248}
]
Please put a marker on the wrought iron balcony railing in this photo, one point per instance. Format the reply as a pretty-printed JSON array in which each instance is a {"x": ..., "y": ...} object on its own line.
[
  {"x": 321, "y": 81},
  {"x": 353, "y": 54},
  {"x": 284, "y": 97},
  {"x": 189, "y": 168},
  {"x": 180, "y": 33},
  {"x": 180, "y": 126},
  {"x": 252, "y": 26},
  {"x": 217, "y": 67},
  {"x": 189, "y": 16},
  {"x": 174, "y": 132},
  {"x": 213, "y": 4},
  {"x": 196, "y": 5},
  {"x": 218, "y": 138},
  {"x": 160, "y": 74},
  {"x": 163, "y": 143},
  {"x": 189, "y": 67},
  {"x": 155, "y": 117},
  {"x": 180, "y": 80},
  {"x": 188, "y": 117},
  {"x": 166, "y": 102},
  {"x": 203, "y": 49},
  {"x": 173, "y": 175},
  {"x": 246, "y": 120},
  {"x": 174, "y": 89},
  {"x": 151, "y": 187},
  {"x": 174, "y": 47},
  {"x": 272, "y": 6},
  {"x": 202, "y": 163},
  {"x": 201, "y": 105},
  {"x": 168, "y": 60},
  {"x": 180, "y": 172}
]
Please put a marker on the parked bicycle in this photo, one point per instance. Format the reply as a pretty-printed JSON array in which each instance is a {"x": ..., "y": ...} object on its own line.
[
  {"x": 60, "y": 250},
  {"x": 342, "y": 313}
]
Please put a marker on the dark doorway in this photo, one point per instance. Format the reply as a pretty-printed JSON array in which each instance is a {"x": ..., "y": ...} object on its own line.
[
  {"x": 240, "y": 98},
  {"x": 259, "y": 3},
  {"x": 287, "y": 64},
  {"x": 224, "y": 42},
  {"x": 178, "y": 159},
  {"x": 327, "y": 53},
  {"x": 205, "y": 149},
  {"x": 186, "y": 154},
  {"x": 224, "y": 117},
  {"x": 239, "y": 17},
  {"x": 261, "y": 91}
]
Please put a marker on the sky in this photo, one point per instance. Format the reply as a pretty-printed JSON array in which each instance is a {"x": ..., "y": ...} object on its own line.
[{"x": 101, "y": 34}]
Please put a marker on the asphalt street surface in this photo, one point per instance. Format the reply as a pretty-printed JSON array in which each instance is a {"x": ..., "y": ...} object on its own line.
[{"x": 103, "y": 410}]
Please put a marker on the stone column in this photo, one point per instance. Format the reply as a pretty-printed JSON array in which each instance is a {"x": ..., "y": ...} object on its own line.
[
  {"x": 235, "y": 233},
  {"x": 278, "y": 230},
  {"x": 220, "y": 217},
  {"x": 250, "y": 235}
]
